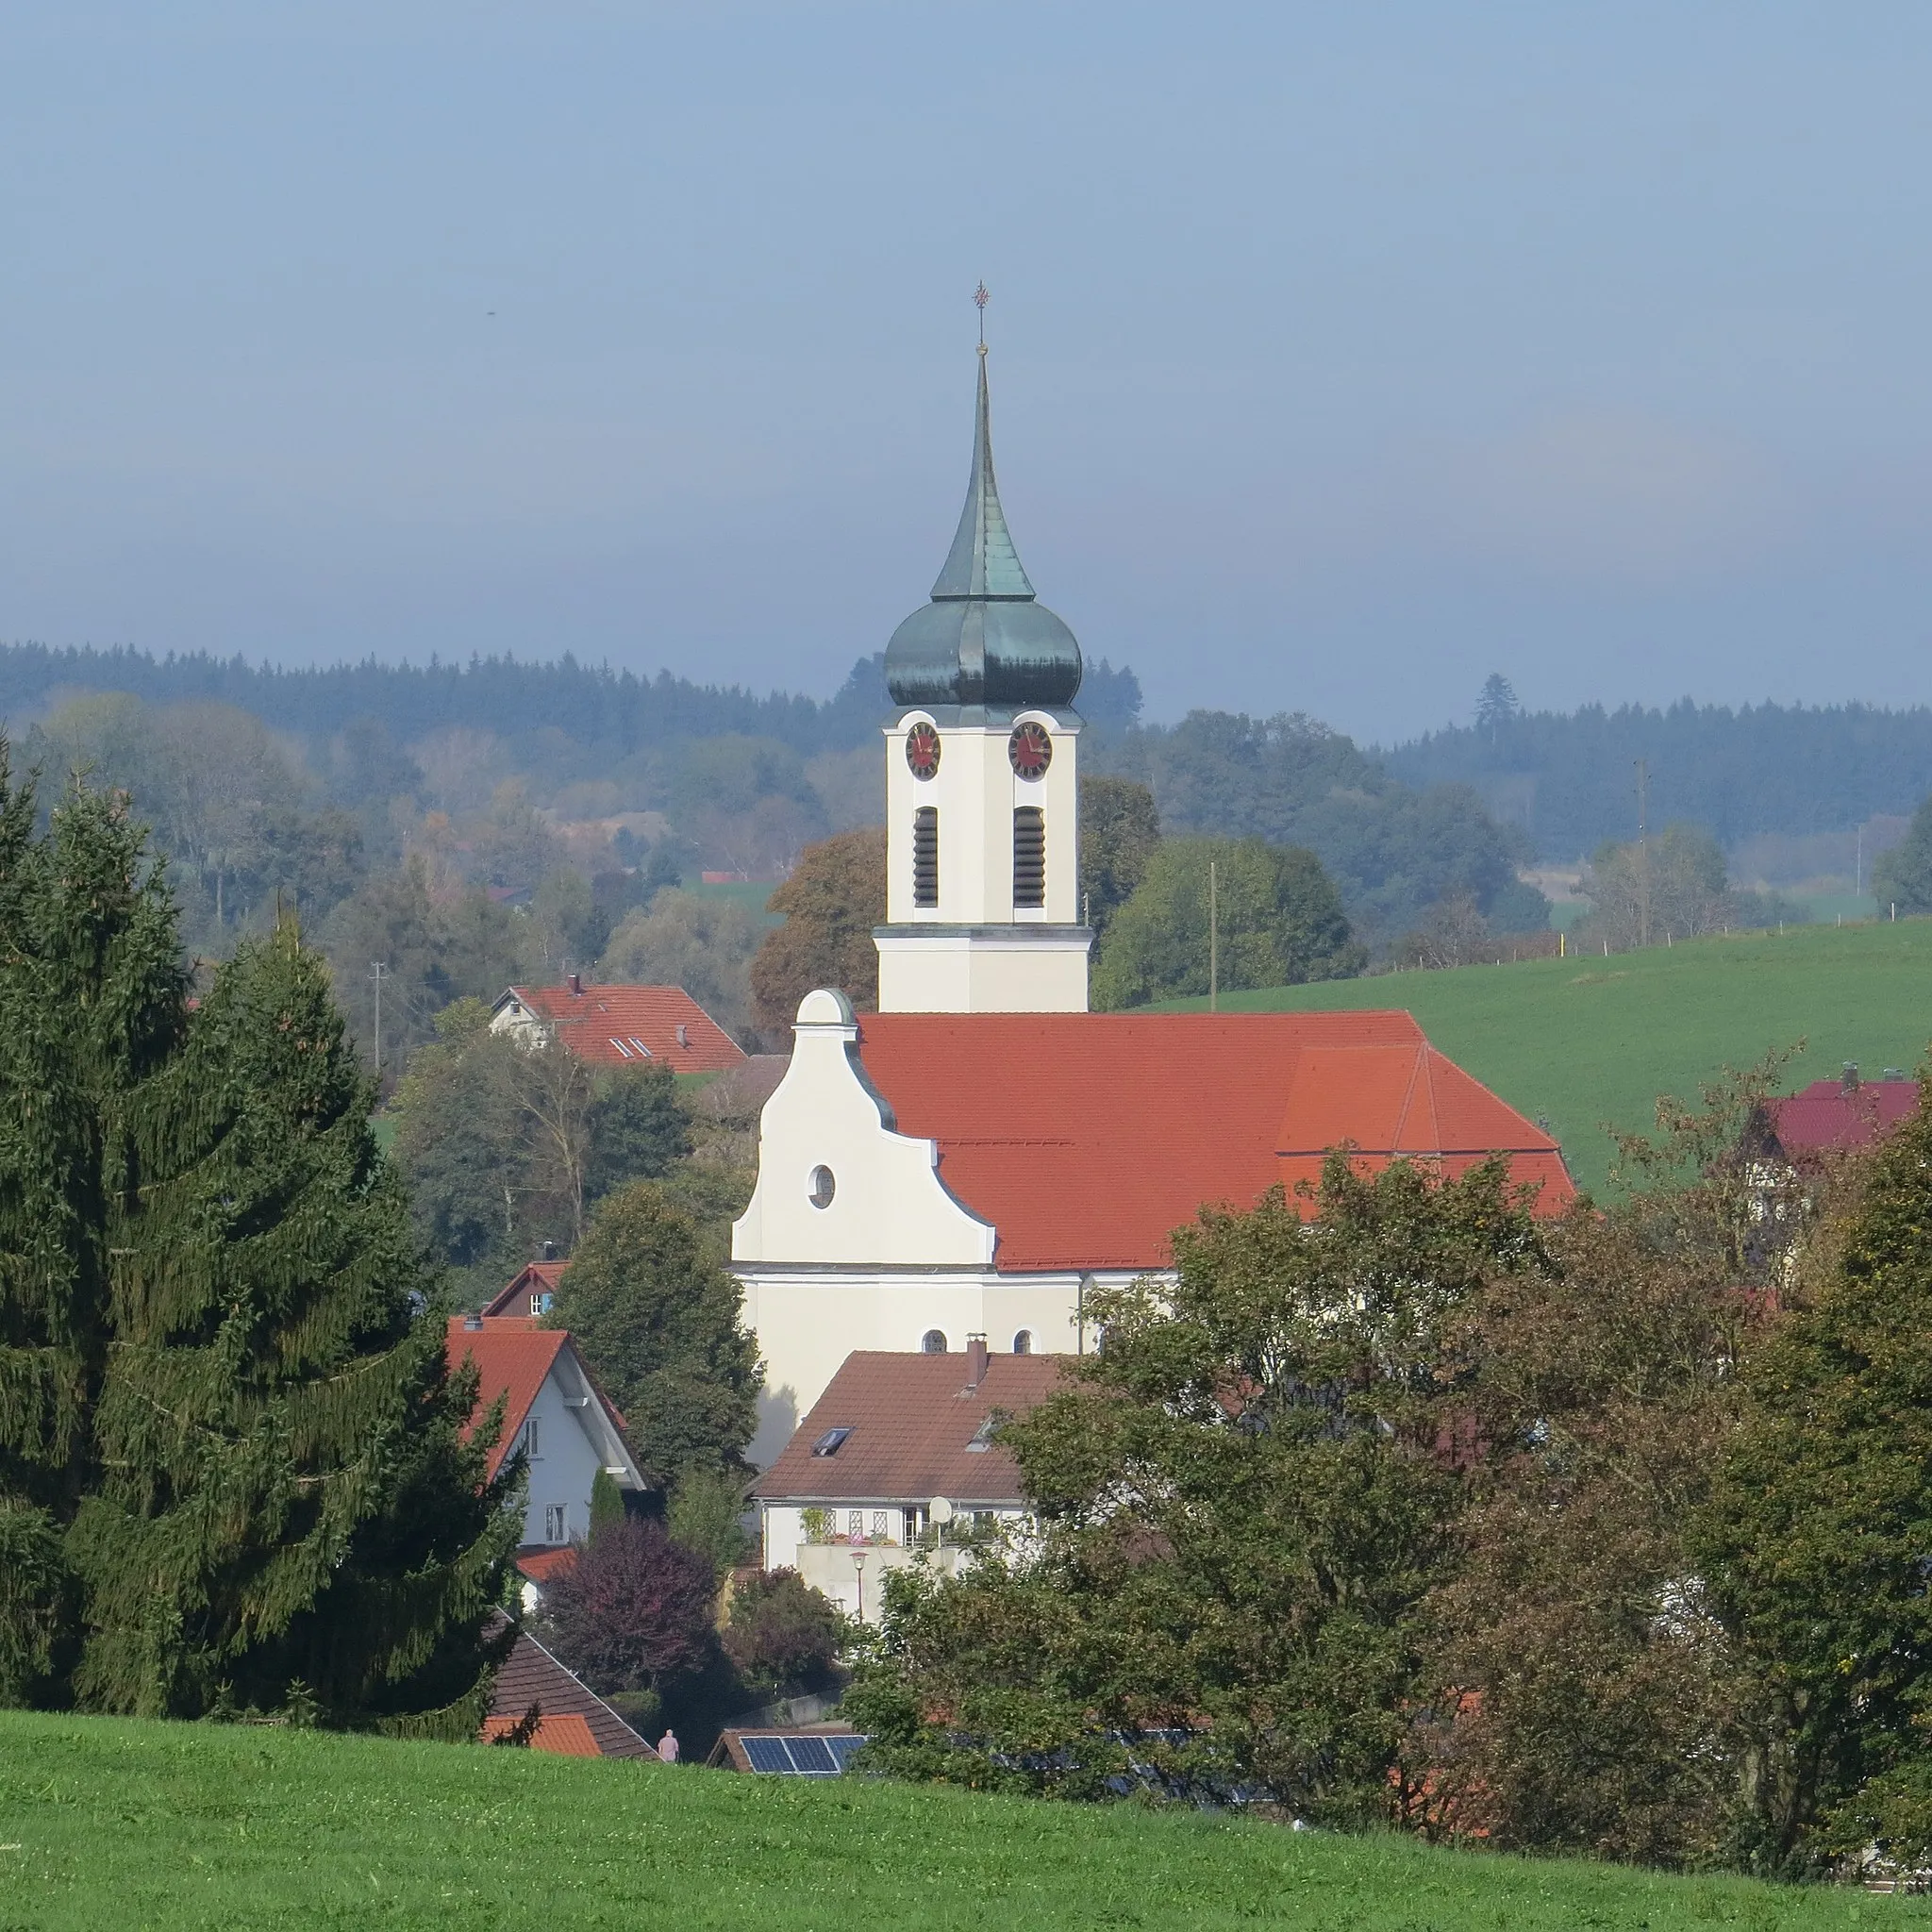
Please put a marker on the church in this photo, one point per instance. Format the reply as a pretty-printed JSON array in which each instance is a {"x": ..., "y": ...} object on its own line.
[{"x": 969, "y": 1161}]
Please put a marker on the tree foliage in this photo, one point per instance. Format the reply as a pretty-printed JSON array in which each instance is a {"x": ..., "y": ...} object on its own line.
[
  {"x": 633, "y": 1611},
  {"x": 1278, "y": 918},
  {"x": 1819, "y": 1536},
  {"x": 835, "y": 897},
  {"x": 1243, "y": 1501},
  {"x": 1903, "y": 876},
  {"x": 658, "y": 1321},
  {"x": 781, "y": 1631},
  {"x": 231, "y": 1467},
  {"x": 1119, "y": 831}
]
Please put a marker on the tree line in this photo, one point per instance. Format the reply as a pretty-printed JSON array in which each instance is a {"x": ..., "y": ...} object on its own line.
[{"x": 1566, "y": 780}]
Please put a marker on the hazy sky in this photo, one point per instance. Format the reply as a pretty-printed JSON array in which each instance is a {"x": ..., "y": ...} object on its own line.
[{"x": 1342, "y": 354}]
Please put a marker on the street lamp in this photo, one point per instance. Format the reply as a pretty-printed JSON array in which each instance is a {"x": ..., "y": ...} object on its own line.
[{"x": 858, "y": 1572}]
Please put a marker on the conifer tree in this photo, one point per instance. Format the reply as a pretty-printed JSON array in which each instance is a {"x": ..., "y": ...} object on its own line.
[{"x": 224, "y": 1390}]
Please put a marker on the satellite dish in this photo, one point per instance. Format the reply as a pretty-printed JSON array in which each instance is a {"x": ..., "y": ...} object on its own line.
[{"x": 940, "y": 1509}]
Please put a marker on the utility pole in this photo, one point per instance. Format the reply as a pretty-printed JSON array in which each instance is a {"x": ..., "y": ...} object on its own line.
[
  {"x": 378, "y": 969},
  {"x": 1858, "y": 871},
  {"x": 1642, "y": 853},
  {"x": 1213, "y": 939}
]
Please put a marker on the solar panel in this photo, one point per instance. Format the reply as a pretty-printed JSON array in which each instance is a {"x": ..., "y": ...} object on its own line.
[
  {"x": 842, "y": 1748},
  {"x": 813, "y": 1756},
  {"x": 767, "y": 1754}
]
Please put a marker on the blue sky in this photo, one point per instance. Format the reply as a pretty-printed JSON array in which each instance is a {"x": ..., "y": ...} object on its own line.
[{"x": 1341, "y": 355}]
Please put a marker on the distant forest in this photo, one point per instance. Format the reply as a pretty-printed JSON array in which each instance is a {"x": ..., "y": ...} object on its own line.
[{"x": 1568, "y": 782}]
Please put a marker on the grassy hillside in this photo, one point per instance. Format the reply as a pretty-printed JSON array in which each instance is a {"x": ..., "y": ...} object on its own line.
[
  {"x": 105, "y": 1822},
  {"x": 1581, "y": 1041}
]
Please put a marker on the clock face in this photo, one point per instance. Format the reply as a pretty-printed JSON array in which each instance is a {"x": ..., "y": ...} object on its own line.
[
  {"x": 923, "y": 751},
  {"x": 1030, "y": 750}
]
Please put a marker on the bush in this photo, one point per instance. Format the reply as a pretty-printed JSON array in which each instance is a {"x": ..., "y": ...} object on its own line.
[
  {"x": 633, "y": 1611},
  {"x": 781, "y": 1630}
]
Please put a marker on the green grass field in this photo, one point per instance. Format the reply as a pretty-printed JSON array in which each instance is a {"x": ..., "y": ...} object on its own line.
[
  {"x": 1581, "y": 1041},
  {"x": 751, "y": 895},
  {"x": 110, "y": 1824}
]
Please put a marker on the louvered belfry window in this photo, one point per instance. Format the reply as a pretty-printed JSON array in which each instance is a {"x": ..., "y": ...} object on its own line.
[
  {"x": 1029, "y": 856},
  {"x": 925, "y": 855}
]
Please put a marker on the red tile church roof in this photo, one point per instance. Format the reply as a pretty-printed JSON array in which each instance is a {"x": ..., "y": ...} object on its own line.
[{"x": 1086, "y": 1138}]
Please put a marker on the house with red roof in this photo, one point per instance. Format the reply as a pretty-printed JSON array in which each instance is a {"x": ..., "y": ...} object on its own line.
[
  {"x": 620, "y": 1025},
  {"x": 553, "y": 1413},
  {"x": 969, "y": 1161},
  {"x": 1800, "y": 1130}
]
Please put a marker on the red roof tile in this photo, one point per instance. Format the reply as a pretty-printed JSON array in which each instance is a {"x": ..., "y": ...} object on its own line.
[
  {"x": 1828, "y": 1118},
  {"x": 513, "y": 1356},
  {"x": 540, "y": 1566},
  {"x": 635, "y": 1025},
  {"x": 1086, "y": 1138},
  {"x": 911, "y": 1417},
  {"x": 567, "y": 1734}
]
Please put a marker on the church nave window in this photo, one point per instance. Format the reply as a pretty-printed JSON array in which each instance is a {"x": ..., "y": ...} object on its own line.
[
  {"x": 933, "y": 1341},
  {"x": 1029, "y": 856},
  {"x": 925, "y": 855}
]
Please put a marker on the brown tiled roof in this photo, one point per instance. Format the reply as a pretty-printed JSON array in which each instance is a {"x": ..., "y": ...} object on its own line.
[
  {"x": 634, "y": 1025},
  {"x": 1086, "y": 1139},
  {"x": 911, "y": 1417},
  {"x": 531, "y": 1675},
  {"x": 537, "y": 1279}
]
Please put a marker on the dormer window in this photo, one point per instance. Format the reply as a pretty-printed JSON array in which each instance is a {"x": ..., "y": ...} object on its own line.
[
  {"x": 982, "y": 1439},
  {"x": 830, "y": 1442}
]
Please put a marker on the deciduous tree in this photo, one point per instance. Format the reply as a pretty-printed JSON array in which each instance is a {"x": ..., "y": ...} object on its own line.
[{"x": 834, "y": 898}]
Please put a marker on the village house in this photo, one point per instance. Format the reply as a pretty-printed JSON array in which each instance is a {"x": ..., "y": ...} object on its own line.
[
  {"x": 554, "y": 1413},
  {"x": 896, "y": 1462},
  {"x": 619, "y": 1026}
]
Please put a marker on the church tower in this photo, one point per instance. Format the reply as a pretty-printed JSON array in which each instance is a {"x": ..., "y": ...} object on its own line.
[{"x": 982, "y": 800}]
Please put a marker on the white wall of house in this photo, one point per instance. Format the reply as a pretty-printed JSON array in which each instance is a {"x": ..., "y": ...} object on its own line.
[
  {"x": 827, "y": 1566},
  {"x": 563, "y": 1467},
  {"x": 808, "y": 1320}
]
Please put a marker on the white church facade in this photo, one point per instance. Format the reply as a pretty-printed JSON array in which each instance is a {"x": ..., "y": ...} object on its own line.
[{"x": 971, "y": 1159}]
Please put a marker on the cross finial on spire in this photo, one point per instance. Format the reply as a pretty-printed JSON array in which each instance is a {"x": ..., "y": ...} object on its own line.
[{"x": 980, "y": 298}]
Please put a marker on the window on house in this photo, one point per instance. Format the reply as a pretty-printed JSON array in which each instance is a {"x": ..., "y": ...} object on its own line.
[
  {"x": 878, "y": 1525},
  {"x": 855, "y": 1524},
  {"x": 623, "y": 1050},
  {"x": 925, "y": 855},
  {"x": 982, "y": 1438},
  {"x": 530, "y": 1440},
  {"x": 1023, "y": 1342},
  {"x": 830, "y": 1442},
  {"x": 824, "y": 1185},
  {"x": 1029, "y": 856},
  {"x": 933, "y": 1341},
  {"x": 643, "y": 1052},
  {"x": 556, "y": 1523}
]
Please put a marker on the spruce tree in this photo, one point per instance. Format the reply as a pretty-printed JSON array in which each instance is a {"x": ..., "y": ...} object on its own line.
[{"x": 225, "y": 1392}]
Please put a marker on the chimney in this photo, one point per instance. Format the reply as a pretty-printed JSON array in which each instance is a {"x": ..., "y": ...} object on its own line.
[
  {"x": 474, "y": 1324},
  {"x": 684, "y": 1035},
  {"x": 577, "y": 984},
  {"x": 976, "y": 1360},
  {"x": 1848, "y": 1080}
]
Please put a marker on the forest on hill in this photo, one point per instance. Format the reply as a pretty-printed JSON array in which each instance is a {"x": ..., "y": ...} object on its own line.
[{"x": 1567, "y": 780}]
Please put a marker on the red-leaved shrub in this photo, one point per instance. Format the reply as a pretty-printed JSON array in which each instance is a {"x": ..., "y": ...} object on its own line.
[{"x": 634, "y": 1609}]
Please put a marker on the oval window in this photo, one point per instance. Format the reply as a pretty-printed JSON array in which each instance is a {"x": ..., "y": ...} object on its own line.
[
  {"x": 822, "y": 1186},
  {"x": 933, "y": 1341}
]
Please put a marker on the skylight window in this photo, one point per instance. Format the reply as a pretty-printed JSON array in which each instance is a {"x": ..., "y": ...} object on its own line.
[
  {"x": 619, "y": 1046},
  {"x": 830, "y": 1442},
  {"x": 982, "y": 1437},
  {"x": 645, "y": 1052}
]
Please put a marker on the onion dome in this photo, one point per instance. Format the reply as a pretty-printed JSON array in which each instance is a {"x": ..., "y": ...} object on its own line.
[{"x": 985, "y": 639}]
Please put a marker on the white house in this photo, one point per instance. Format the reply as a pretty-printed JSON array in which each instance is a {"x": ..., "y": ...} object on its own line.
[
  {"x": 554, "y": 1412},
  {"x": 896, "y": 1456}
]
